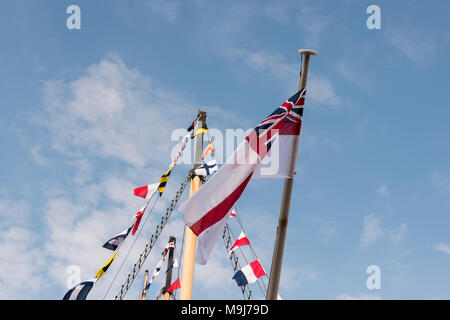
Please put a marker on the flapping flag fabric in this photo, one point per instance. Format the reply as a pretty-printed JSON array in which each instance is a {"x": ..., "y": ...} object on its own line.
[
  {"x": 249, "y": 274},
  {"x": 207, "y": 211},
  {"x": 280, "y": 161},
  {"x": 207, "y": 169},
  {"x": 103, "y": 269},
  {"x": 163, "y": 181},
  {"x": 116, "y": 241},
  {"x": 175, "y": 285},
  {"x": 209, "y": 149},
  {"x": 146, "y": 192},
  {"x": 170, "y": 245},
  {"x": 165, "y": 177},
  {"x": 174, "y": 264},
  {"x": 80, "y": 291},
  {"x": 241, "y": 241},
  {"x": 137, "y": 219}
]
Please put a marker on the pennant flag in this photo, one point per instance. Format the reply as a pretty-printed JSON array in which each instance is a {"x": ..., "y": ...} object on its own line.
[
  {"x": 209, "y": 149},
  {"x": 249, "y": 274},
  {"x": 233, "y": 213},
  {"x": 163, "y": 181},
  {"x": 198, "y": 131},
  {"x": 137, "y": 219},
  {"x": 207, "y": 169},
  {"x": 116, "y": 241},
  {"x": 282, "y": 157},
  {"x": 192, "y": 126},
  {"x": 241, "y": 241},
  {"x": 174, "y": 264},
  {"x": 103, "y": 269},
  {"x": 165, "y": 177},
  {"x": 170, "y": 245},
  {"x": 207, "y": 211},
  {"x": 146, "y": 192},
  {"x": 174, "y": 286},
  {"x": 80, "y": 292}
]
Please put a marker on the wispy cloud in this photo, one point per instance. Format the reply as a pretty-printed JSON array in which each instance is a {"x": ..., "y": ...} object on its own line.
[
  {"x": 417, "y": 44},
  {"x": 374, "y": 231},
  {"x": 443, "y": 247},
  {"x": 441, "y": 180},
  {"x": 383, "y": 191}
]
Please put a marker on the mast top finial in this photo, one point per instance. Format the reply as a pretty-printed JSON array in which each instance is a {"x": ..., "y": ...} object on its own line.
[{"x": 308, "y": 51}]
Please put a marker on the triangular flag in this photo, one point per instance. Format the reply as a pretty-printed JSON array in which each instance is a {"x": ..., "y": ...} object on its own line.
[
  {"x": 242, "y": 240},
  {"x": 174, "y": 286},
  {"x": 103, "y": 269},
  {"x": 116, "y": 241},
  {"x": 137, "y": 219},
  {"x": 146, "y": 192},
  {"x": 209, "y": 149}
]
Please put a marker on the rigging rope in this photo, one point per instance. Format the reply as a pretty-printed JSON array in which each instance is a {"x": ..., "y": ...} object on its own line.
[
  {"x": 132, "y": 245},
  {"x": 143, "y": 256}
]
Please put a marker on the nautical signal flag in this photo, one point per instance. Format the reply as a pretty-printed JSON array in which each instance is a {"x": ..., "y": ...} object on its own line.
[
  {"x": 209, "y": 149},
  {"x": 199, "y": 130},
  {"x": 103, "y": 269},
  {"x": 116, "y": 241},
  {"x": 207, "y": 211},
  {"x": 137, "y": 219},
  {"x": 146, "y": 192},
  {"x": 207, "y": 169},
  {"x": 175, "y": 285},
  {"x": 163, "y": 181},
  {"x": 249, "y": 274},
  {"x": 241, "y": 241},
  {"x": 80, "y": 291},
  {"x": 233, "y": 213}
]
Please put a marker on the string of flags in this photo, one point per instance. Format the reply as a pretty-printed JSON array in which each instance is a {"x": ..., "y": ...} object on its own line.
[
  {"x": 194, "y": 132},
  {"x": 80, "y": 291},
  {"x": 169, "y": 246},
  {"x": 207, "y": 211},
  {"x": 253, "y": 271}
]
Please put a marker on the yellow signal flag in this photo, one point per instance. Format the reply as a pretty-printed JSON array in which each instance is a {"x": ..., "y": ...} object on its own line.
[
  {"x": 201, "y": 130},
  {"x": 163, "y": 181},
  {"x": 103, "y": 269}
]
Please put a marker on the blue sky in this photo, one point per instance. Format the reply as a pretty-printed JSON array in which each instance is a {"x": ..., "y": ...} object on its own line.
[{"x": 87, "y": 115}]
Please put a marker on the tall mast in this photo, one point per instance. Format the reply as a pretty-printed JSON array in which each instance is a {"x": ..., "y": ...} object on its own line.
[
  {"x": 169, "y": 271},
  {"x": 144, "y": 291},
  {"x": 190, "y": 239},
  {"x": 277, "y": 260}
]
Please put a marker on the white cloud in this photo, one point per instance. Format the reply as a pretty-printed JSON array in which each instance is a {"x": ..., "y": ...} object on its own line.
[
  {"x": 443, "y": 247},
  {"x": 113, "y": 111},
  {"x": 22, "y": 274},
  {"x": 383, "y": 191},
  {"x": 418, "y": 45},
  {"x": 372, "y": 230}
]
